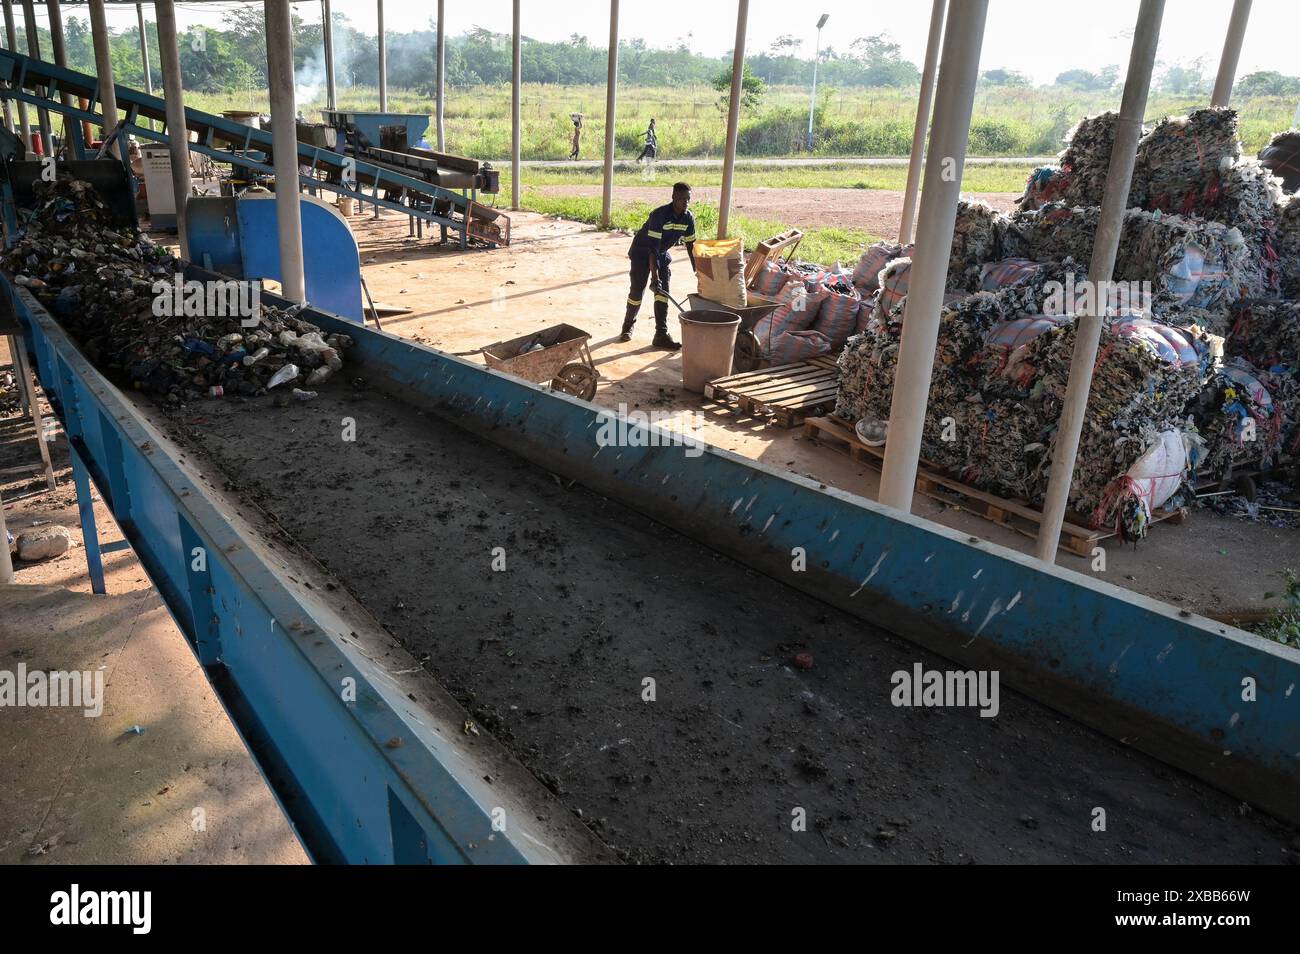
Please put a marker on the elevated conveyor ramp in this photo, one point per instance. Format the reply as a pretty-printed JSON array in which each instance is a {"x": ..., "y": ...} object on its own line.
[{"x": 39, "y": 83}]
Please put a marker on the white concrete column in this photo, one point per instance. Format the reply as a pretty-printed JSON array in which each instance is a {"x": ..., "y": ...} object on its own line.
[
  {"x": 178, "y": 136},
  {"x": 57, "y": 41},
  {"x": 383, "y": 63},
  {"x": 442, "y": 72},
  {"x": 284, "y": 144},
  {"x": 144, "y": 49},
  {"x": 733, "y": 116},
  {"x": 24, "y": 129},
  {"x": 1110, "y": 227},
  {"x": 34, "y": 51},
  {"x": 1231, "y": 53},
  {"x": 923, "y": 102},
  {"x": 944, "y": 162},
  {"x": 104, "y": 68},
  {"x": 516, "y": 77},
  {"x": 611, "y": 116},
  {"x": 144, "y": 54},
  {"x": 327, "y": 38}
]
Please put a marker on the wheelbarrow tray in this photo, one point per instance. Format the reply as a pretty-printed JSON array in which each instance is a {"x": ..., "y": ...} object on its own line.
[
  {"x": 561, "y": 344},
  {"x": 758, "y": 308}
]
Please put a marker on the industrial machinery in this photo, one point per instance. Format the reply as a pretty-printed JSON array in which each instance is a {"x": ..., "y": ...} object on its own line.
[
  {"x": 237, "y": 237},
  {"x": 40, "y": 84}
]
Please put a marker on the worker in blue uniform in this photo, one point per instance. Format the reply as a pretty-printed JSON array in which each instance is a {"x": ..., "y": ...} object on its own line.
[{"x": 666, "y": 226}]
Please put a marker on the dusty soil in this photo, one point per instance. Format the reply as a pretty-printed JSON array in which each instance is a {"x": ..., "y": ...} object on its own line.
[
  {"x": 550, "y": 655},
  {"x": 877, "y": 211}
]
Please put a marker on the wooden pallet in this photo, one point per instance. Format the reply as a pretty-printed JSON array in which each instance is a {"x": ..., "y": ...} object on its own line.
[
  {"x": 1018, "y": 515},
  {"x": 787, "y": 393}
]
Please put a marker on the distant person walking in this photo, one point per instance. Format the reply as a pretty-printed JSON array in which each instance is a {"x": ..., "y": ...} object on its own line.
[
  {"x": 666, "y": 226},
  {"x": 651, "y": 148},
  {"x": 577, "y": 134}
]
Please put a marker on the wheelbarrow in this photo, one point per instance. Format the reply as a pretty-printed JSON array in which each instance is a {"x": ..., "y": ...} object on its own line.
[{"x": 557, "y": 356}]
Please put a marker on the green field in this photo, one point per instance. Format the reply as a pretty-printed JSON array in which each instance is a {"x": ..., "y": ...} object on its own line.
[
  {"x": 850, "y": 122},
  {"x": 855, "y": 122}
]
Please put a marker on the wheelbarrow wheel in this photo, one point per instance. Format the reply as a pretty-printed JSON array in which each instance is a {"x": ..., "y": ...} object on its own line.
[
  {"x": 576, "y": 378},
  {"x": 749, "y": 352}
]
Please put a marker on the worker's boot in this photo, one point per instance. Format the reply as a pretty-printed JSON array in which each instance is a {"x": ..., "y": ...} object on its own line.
[
  {"x": 629, "y": 320},
  {"x": 662, "y": 339}
]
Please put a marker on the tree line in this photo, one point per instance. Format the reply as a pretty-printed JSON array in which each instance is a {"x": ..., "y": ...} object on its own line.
[{"x": 233, "y": 59}]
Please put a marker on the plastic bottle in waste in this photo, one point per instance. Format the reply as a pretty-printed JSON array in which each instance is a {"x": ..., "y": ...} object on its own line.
[
  {"x": 319, "y": 376},
  {"x": 301, "y": 395},
  {"x": 256, "y": 356},
  {"x": 288, "y": 373}
]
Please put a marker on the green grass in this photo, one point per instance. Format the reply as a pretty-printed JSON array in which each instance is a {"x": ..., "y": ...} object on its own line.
[
  {"x": 826, "y": 245},
  {"x": 851, "y": 122},
  {"x": 1003, "y": 177}
]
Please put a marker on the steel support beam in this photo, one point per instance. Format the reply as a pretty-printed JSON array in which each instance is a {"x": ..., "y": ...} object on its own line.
[
  {"x": 11, "y": 41},
  {"x": 1110, "y": 227},
  {"x": 923, "y": 102},
  {"x": 104, "y": 68},
  {"x": 144, "y": 52},
  {"x": 1231, "y": 53},
  {"x": 944, "y": 162},
  {"x": 611, "y": 117},
  {"x": 58, "y": 42},
  {"x": 34, "y": 51},
  {"x": 173, "y": 99},
  {"x": 516, "y": 77},
  {"x": 442, "y": 73},
  {"x": 327, "y": 38},
  {"x": 284, "y": 139},
  {"x": 733, "y": 116}
]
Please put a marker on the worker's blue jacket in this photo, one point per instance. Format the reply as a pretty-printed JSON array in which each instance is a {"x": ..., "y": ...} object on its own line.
[{"x": 664, "y": 229}]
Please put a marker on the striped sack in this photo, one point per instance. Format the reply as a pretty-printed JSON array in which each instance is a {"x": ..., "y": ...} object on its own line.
[
  {"x": 866, "y": 274},
  {"x": 798, "y": 345},
  {"x": 796, "y": 310},
  {"x": 893, "y": 283},
  {"x": 769, "y": 281},
  {"x": 1004, "y": 274},
  {"x": 837, "y": 318}
]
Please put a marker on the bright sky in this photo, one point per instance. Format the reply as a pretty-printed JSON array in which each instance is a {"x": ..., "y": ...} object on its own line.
[{"x": 1039, "y": 37}]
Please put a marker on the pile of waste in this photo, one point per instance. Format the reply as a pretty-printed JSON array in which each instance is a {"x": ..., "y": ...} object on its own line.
[
  {"x": 1198, "y": 373},
  {"x": 118, "y": 294},
  {"x": 998, "y": 381},
  {"x": 1080, "y": 176},
  {"x": 1288, "y": 246}
]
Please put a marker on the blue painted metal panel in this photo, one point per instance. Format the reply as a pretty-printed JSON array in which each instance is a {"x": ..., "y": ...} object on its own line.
[
  {"x": 1159, "y": 678},
  {"x": 369, "y": 122},
  {"x": 341, "y": 769},
  {"x": 239, "y": 237}
]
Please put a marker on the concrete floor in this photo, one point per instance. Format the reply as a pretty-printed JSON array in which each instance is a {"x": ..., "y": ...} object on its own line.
[
  {"x": 559, "y": 271},
  {"x": 81, "y": 790}
]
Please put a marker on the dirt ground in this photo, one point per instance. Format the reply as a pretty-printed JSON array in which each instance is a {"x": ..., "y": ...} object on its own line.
[
  {"x": 561, "y": 271},
  {"x": 86, "y": 790},
  {"x": 876, "y": 211},
  {"x": 550, "y": 655}
]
